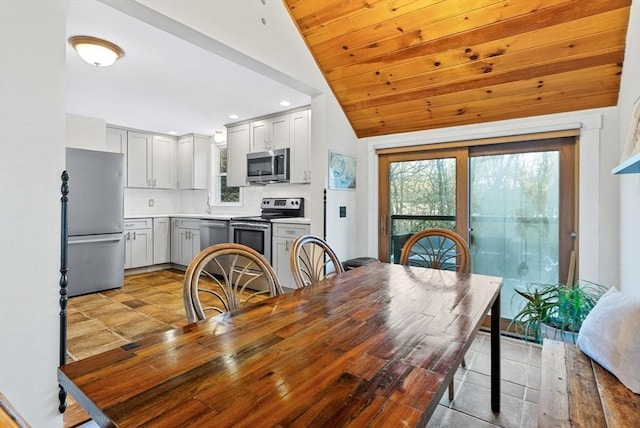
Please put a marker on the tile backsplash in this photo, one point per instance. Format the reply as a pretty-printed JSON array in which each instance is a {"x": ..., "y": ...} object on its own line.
[{"x": 136, "y": 201}]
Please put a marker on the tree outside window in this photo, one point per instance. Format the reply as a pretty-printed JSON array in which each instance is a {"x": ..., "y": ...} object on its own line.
[{"x": 222, "y": 194}]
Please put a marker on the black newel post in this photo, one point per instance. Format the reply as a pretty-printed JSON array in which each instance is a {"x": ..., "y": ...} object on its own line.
[
  {"x": 324, "y": 214},
  {"x": 64, "y": 189},
  {"x": 324, "y": 225}
]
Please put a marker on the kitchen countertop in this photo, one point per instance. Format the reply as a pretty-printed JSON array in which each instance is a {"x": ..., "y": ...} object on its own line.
[
  {"x": 293, "y": 220},
  {"x": 203, "y": 216}
]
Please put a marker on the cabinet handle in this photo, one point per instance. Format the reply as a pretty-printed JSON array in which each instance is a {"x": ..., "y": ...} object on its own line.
[
  {"x": 128, "y": 233},
  {"x": 134, "y": 236},
  {"x": 154, "y": 182},
  {"x": 287, "y": 246},
  {"x": 188, "y": 234}
]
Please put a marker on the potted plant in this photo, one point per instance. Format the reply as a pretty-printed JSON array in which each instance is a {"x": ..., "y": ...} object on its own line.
[{"x": 555, "y": 311}]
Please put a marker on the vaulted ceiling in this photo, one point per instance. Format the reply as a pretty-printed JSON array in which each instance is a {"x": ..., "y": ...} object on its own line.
[{"x": 407, "y": 65}]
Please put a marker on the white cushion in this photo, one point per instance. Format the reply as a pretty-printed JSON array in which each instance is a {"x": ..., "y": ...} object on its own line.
[{"x": 610, "y": 335}]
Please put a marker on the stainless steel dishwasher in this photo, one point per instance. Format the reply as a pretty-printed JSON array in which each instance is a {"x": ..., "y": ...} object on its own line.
[{"x": 213, "y": 232}]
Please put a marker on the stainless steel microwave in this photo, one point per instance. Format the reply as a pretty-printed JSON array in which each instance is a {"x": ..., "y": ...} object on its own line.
[{"x": 268, "y": 167}]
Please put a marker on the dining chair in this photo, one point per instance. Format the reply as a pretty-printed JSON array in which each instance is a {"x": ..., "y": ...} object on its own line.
[
  {"x": 310, "y": 258},
  {"x": 225, "y": 277},
  {"x": 437, "y": 249}
]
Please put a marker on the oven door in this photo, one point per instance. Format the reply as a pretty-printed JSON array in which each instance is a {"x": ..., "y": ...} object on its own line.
[{"x": 256, "y": 235}]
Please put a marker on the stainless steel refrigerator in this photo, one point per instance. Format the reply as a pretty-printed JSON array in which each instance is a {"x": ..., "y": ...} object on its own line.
[{"x": 95, "y": 221}]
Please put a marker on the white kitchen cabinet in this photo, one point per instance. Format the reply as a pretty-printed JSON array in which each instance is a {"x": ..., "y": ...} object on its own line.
[
  {"x": 270, "y": 134},
  {"x": 300, "y": 147},
  {"x": 116, "y": 142},
  {"x": 163, "y": 165},
  {"x": 283, "y": 236},
  {"x": 237, "y": 149},
  {"x": 161, "y": 240},
  {"x": 150, "y": 161},
  {"x": 138, "y": 243},
  {"x": 194, "y": 154},
  {"x": 185, "y": 242},
  {"x": 138, "y": 159}
]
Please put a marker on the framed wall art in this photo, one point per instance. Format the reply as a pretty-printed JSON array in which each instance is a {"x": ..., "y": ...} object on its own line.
[{"x": 342, "y": 171}]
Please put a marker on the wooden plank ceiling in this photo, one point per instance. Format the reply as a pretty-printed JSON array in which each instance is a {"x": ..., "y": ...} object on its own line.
[{"x": 407, "y": 65}]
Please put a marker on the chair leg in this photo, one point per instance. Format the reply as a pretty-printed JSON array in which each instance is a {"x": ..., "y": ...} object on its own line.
[{"x": 451, "y": 390}]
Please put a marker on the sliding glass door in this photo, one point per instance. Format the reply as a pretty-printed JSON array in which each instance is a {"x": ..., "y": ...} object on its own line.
[
  {"x": 516, "y": 215},
  {"x": 514, "y": 203}
]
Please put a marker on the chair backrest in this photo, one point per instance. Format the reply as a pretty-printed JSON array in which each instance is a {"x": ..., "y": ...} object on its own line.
[
  {"x": 437, "y": 249},
  {"x": 225, "y": 277},
  {"x": 310, "y": 257}
]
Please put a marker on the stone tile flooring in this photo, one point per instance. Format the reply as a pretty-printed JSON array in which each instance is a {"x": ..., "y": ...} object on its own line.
[{"x": 152, "y": 302}]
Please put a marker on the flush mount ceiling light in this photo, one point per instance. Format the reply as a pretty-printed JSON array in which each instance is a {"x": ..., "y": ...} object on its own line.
[{"x": 94, "y": 51}]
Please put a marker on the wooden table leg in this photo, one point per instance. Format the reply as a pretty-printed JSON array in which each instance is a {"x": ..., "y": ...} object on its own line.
[{"x": 495, "y": 355}]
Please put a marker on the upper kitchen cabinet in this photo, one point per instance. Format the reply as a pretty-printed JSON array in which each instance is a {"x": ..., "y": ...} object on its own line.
[
  {"x": 237, "y": 149},
  {"x": 194, "y": 153},
  {"x": 117, "y": 143},
  {"x": 116, "y": 140},
  {"x": 150, "y": 161},
  {"x": 291, "y": 130},
  {"x": 299, "y": 142},
  {"x": 270, "y": 133}
]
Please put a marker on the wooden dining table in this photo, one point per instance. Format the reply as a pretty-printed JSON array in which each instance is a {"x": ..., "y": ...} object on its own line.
[{"x": 374, "y": 346}]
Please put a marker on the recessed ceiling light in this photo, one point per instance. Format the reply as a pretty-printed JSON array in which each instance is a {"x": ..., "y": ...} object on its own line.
[
  {"x": 234, "y": 116},
  {"x": 285, "y": 103},
  {"x": 173, "y": 133},
  {"x": 219, "y": 136},
  {"x": 94, "y": 51}
]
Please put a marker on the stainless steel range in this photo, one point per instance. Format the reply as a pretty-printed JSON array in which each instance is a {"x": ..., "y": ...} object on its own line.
[{"x": 255, "y": 232}]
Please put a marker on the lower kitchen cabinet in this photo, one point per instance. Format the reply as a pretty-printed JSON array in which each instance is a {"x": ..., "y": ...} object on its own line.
[
  {"x": 185, "y": 240},
  {"x": 138, "y": 243},
  {"x": 283, "y": 236},
  {"x": 161, "y": 240}
]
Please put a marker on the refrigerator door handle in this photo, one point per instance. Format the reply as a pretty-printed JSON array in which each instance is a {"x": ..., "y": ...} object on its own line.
[{"x": 91, "y": 241}]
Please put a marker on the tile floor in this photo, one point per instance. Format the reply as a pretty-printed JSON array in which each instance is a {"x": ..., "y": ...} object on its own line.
[{"x": 152, "y": 302}]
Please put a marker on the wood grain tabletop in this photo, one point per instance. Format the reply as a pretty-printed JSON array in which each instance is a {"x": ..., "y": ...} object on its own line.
[{"x": 376, "y": 345}]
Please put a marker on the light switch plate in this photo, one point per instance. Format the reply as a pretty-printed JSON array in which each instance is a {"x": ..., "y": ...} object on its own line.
[
  {"x": 343, "y": 211},
  {"x": 151, "y": 202}
]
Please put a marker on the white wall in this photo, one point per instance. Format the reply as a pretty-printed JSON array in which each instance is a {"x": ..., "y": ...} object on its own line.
[
  {"x": 83, "y": 132},
  {"x": 32, "y": 135},
  {"x": 339, "y": 137},
  {"x": 275, "y": 49},
  {"x": 629, "y": 183},
  {"x": 598, "y": 190}
]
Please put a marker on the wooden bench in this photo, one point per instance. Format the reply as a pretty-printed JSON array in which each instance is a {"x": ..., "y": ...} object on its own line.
[{"x": 575, "y": 391}]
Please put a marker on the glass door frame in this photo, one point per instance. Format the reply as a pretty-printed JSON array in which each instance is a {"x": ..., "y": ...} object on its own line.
[
  {"x": 461, "y": 154},
  {"x": 566, "y": 144},
  {"x": 568, "y": 182}
]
